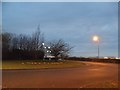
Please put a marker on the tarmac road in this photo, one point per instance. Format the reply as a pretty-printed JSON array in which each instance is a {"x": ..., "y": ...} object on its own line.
[{"x": 92, "y": 75}]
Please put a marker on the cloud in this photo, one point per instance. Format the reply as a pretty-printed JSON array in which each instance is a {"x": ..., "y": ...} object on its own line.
[{"x": 76, "y": 23}]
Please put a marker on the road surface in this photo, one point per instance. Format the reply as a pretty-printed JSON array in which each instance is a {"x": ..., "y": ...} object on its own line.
[{"x": 92, "y": 75}]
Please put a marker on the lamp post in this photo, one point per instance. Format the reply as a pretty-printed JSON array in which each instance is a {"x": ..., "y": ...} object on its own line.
[
  {"x": 49, "y": 52},
  {"x": 96, "y": 39},
  {"x": 44, "y": 50}
]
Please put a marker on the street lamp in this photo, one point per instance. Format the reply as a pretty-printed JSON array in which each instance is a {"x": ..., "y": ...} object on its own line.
[
  {"x": 96, "y": 39},
  {"x": 43, "y": 44}
]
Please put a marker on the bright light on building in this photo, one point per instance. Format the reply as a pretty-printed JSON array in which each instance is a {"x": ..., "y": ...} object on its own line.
[
  {"x": 105, "y": 57},
  {"x": 117, "y": 58}
]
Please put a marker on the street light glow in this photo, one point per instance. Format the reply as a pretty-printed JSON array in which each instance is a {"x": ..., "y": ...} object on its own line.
[
  {"x": 43, "y": 44},
  {"x": 95, "y": 38}
]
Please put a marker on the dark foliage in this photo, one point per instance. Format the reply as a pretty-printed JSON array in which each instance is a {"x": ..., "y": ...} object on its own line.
[
  {"x": 59, "y": 49},
  {"x": 22, "y": 46}
]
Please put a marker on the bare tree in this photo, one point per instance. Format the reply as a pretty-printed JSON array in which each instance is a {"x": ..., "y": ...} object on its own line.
[
  {"x": 59, "y": 48},
  {"x": 23, "y": 46},
  {"x": 6, "y": 41},
  {"x": 15, "y": 42},
  {"x": 37, "y": 39},
  {"x": 6, "y": 45}
]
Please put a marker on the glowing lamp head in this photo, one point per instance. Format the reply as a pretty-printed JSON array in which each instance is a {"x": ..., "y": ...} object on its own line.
[
  {"x": 43, "y": 44},
  {"x": 95, "y": 38}
]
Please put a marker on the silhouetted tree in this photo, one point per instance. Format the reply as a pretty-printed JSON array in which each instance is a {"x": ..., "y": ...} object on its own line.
[
  {"x": 30, "y": 47},
  {"x": 6, "y": 41},
  {"x": 6, "y": 45},
  {"x": 59, "y": 48},
  {"x": 37, "y": 39},
  {"x": 22, "y": 46}
]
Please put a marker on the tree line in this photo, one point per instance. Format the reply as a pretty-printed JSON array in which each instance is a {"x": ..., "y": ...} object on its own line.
[{"x": 31, "y": 46}]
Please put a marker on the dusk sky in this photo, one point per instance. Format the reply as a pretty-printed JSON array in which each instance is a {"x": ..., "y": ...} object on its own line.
[{"x": 74, "y": 22}]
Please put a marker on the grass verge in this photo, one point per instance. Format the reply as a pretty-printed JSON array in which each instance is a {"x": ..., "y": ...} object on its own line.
[{"x": 29, "y": 64}]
